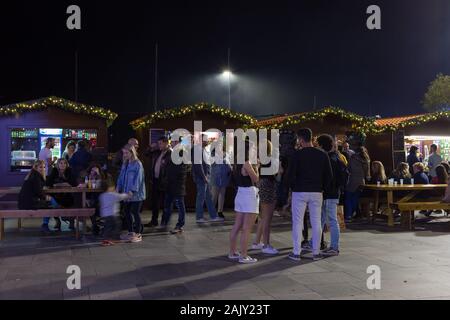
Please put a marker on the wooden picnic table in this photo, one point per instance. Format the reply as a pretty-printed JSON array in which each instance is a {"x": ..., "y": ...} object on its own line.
[
  {"x": 76, "y": 190},
  {"x": 16, "y": 190},
  {"x": 410, "y": 190}
]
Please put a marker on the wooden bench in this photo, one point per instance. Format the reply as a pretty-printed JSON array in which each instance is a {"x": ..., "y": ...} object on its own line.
[
  {"x": 77, "y": 213},
  {"x": 407, "y": 210}
]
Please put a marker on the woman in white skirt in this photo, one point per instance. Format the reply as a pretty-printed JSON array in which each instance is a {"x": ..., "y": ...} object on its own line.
[{"x": 246, "y": 206}]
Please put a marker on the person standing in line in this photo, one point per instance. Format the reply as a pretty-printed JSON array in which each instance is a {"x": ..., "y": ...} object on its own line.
[
  {"x": 69, "y": 151},
  {"x": 132, "y": 179},
  {"x": 201, "y": 173},
  {"x": 46, "y": 155},
  {"x": 331, "y": 196},
  {"x": 309, "y": 174},
  {"x": 160, "y": 160},
  {"x": 412, "y": 158},
  {"x": 346, "y": 151},
  {"x": 173, "y": 179},
  {"x": 80, "y": 160},
  {"x": 246, "y": 206},
  {"x": 433, "y": 161},
  {"x": 359, "y": 173},
  {"x": 118, "y": 158},
  {"x": 220, "y": 179},
  {"x": 268, "y": 197}
]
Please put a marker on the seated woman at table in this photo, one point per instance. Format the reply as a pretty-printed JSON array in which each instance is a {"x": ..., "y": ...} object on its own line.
[
  {"x": 96, "y": 179},
  {"x": 446, "y": 166},
  {"x": 402, "y": 173},
  {"x": 441, "y": 175},
  {"x": 32, "y": 196},
  {"x": 62, "y": 176},
  {"x": 419, "y": 174},
  {"x": 378, "y": 173}
]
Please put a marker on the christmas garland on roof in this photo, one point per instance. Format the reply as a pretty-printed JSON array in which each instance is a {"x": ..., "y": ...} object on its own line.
[
  {"x": 411, "y": 122},
  {"x": 359, "y": 121},
  {"x": 186, "y": 110},
  {"x": 59, "y": 103}
]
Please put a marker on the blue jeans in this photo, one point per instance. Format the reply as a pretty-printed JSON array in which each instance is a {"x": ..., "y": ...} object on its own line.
[
  {"x": 179, "y": 202},
  {"x": 329, "y": 211},
  {"x": 53, "y": 204},
  {"x": 133, "y": 211},
  {"x": 204, "y": 194},
  {"x": 351, "y": 203}
]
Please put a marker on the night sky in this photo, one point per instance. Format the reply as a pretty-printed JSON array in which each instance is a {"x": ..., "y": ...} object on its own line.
[{"x": 283, "y": 54}]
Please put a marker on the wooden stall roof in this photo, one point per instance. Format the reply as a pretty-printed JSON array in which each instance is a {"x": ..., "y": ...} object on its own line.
[
  {"x": 67, "y": 105},
  {"x": 395, "y": 123},
  {"x": 171, "y": 113},
  {"x": 281, "y": 121}
]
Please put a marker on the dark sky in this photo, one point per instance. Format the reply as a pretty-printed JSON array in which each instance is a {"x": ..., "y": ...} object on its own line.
[{"x": 283, "y": 53}]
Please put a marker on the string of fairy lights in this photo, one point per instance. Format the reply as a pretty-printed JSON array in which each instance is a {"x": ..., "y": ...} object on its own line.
[
  {"x": 168, "y": 114},
  {"x": 358, "y": 123},
  {"x": 61, "y": 103}
]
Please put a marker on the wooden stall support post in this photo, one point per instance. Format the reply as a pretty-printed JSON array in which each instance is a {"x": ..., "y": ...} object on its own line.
[
  {"x": 376, "y": 203},
  {"x": 2, "y": 228},
  {"x": 390, "y": 212}
]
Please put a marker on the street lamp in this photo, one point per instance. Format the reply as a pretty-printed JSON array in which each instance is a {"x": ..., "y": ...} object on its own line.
[{"x": 227, "y": 75}]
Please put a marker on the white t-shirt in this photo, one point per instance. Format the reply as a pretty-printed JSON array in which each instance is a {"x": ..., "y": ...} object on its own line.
[{"x": 46, "y": 155}]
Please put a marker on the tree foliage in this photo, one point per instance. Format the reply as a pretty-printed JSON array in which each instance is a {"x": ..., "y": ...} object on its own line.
[{"x": 437, "y": 97}]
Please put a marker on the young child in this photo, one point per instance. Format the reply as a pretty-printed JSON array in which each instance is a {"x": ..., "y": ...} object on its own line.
[{"x": 109, "y": 212}]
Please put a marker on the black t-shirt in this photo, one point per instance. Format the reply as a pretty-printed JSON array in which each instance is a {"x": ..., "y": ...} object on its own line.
[{"x": 309, "y": 170}]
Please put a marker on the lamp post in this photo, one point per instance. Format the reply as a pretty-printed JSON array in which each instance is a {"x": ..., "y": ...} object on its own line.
[{"x": 227, "y": 75}]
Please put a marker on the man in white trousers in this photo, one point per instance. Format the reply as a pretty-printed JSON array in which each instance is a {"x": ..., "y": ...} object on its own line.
[{"x": 309, "y": 175}]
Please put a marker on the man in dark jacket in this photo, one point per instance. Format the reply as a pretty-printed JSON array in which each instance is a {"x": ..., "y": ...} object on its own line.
[
  {"x": 331, "y": 195},
  {"x": 80, "y": 160},
  {"x": 158, "y": 163},
  {"x": 173, "y": 182}
]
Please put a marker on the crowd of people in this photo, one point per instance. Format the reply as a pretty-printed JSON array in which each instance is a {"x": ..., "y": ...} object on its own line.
[{"x": 318, "y": 176}]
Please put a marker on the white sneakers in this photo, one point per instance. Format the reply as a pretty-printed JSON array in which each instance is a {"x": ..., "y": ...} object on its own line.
[
  {"x": 216, "y": 219},
  {"x": 257, "y": 246},
  {"x": 269, "y": 250},
  {"x": 264, "y": 249}
]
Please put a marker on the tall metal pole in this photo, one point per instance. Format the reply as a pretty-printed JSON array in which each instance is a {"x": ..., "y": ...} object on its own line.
[
  {"x": 229, "y": 79},
  {"x": 155, "y": 103},
  {"x": 76, "y": 77}
]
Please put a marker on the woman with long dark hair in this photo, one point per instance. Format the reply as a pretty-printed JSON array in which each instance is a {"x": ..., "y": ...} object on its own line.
[
  {"x": 61, "y": 176},
  {"x": 359, "y": 173}
]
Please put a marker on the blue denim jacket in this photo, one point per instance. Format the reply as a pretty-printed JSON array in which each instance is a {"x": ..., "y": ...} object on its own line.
[
  {"x": 132, "y": 179},
  {"x": 221, "y": 174}
]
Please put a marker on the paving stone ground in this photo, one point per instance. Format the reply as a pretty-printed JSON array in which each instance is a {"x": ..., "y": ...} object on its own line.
[{"x": 193, "y": 265}]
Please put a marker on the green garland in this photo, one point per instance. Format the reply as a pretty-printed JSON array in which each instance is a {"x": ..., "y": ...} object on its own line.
[
  {"x": 411, "y": 122},
  {"x": 64, "y": 104},
  {"x": 359, "y": 122},
  {"x": 186, "y": 110}
]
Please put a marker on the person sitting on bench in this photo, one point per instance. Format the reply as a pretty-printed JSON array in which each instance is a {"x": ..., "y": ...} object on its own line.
[{"x": 32, "y": 196}]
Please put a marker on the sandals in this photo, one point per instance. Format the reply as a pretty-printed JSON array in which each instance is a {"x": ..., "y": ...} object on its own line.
[{"x": 107, "y": 243}]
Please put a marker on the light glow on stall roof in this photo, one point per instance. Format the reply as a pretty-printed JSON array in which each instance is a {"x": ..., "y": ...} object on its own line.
[
  {"x": 50, "y": 131},
  {"x": 421, "y": 138}
]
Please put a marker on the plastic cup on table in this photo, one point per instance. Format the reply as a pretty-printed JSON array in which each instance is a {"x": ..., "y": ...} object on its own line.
[
  {"x": 412, "y": 181},
  {"x": 378, "y": 183},
  {"x": 401, "y": 182},
  {"x": 395, "y": 183}
]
